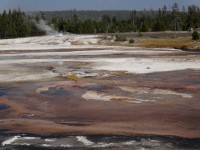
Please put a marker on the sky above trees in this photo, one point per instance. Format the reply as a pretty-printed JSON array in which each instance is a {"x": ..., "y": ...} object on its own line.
[{"x": 91, "y": 4}]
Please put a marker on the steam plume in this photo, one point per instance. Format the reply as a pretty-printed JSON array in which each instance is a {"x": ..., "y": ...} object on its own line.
[{"x": 48, "y": 29}]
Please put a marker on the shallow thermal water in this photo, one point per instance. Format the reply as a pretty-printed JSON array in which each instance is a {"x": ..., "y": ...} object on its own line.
[
  {"x": 2, "y": 91},
  {"x": 3, "y": 107},
  {"x": 56, "y": 92},
  {"x": 99, "y": 142}
]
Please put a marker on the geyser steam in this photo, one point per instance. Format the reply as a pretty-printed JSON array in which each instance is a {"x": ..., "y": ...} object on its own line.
[{"x": 42, "y": 24}]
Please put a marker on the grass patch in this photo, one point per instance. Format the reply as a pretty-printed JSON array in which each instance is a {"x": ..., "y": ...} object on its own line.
[
  {"x": 162, "y": 40},
  {"x": 178, "y": 43}
]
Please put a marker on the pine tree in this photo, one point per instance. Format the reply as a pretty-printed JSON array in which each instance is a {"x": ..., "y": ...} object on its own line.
[
  {"x": 15, "y": 24},
  {"x": 175, "y": 17}
]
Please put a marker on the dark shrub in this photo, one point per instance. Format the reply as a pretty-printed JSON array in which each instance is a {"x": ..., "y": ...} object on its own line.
[
  {"x": 131, "y": 41},
  {"x": 121, "y": 38},
  {"x": 195, "y": 35}
]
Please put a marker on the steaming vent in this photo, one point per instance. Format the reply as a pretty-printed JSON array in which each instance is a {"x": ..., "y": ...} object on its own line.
[{"x": 48, "y": 29}]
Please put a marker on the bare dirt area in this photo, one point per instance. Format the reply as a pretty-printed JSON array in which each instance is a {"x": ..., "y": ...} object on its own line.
[{"x": 105, "y": 90}]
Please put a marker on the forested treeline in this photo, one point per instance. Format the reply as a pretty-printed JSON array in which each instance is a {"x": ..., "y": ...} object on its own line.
[
  {"x": 14, "y": 24},
  {"x": 83, "y": 14},
  {"x": 165, "y": 19}
]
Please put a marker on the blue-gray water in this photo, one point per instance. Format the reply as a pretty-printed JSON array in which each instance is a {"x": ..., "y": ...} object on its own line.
[{"x": 33, "y": 142}]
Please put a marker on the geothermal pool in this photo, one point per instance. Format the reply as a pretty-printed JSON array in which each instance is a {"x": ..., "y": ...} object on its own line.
[{"x": 100, "y": 142}]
